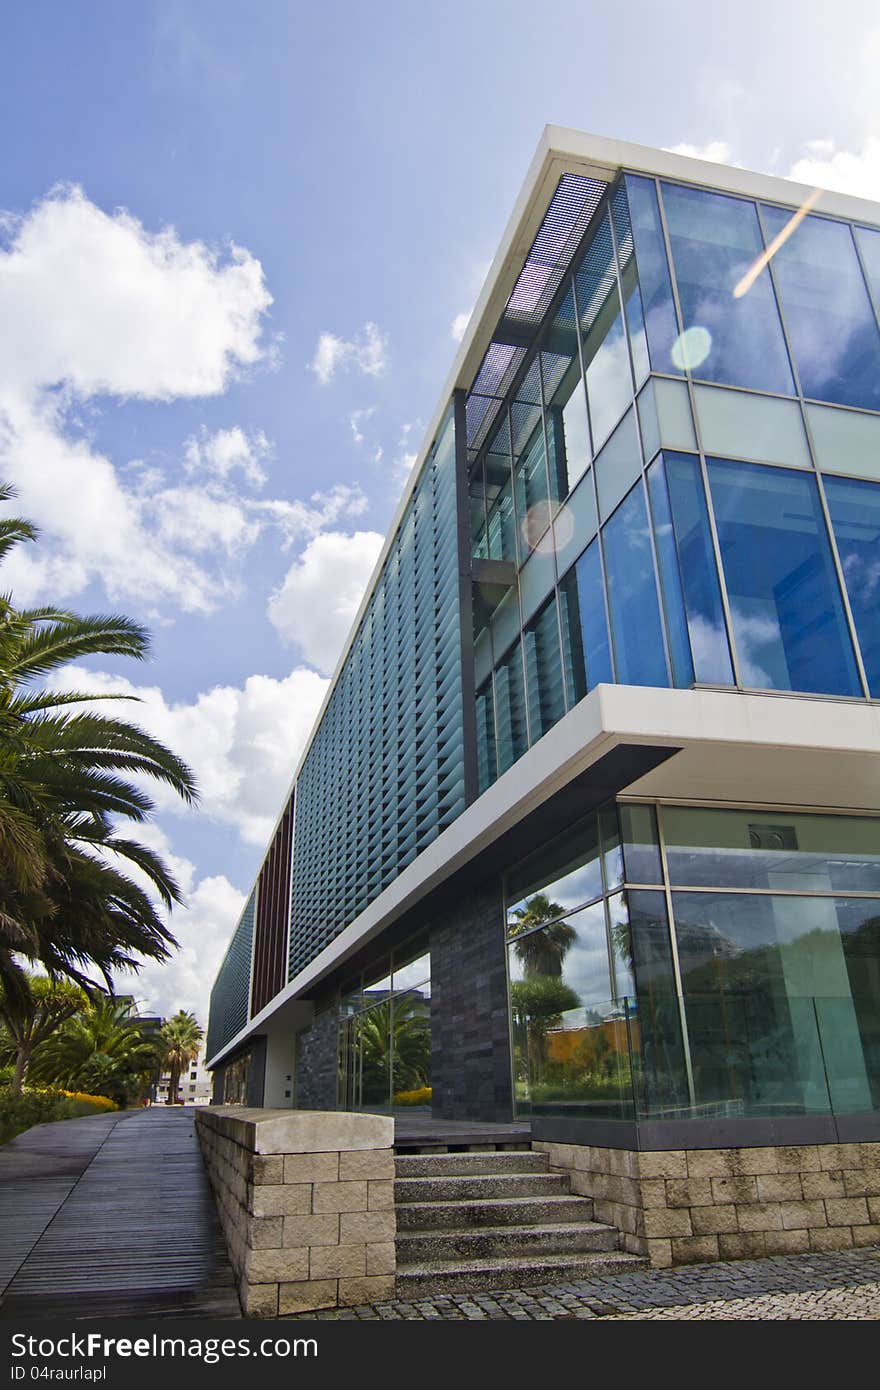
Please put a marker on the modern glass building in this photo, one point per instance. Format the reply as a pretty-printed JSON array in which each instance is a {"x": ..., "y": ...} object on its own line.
[{"x": 588, "y": 827}]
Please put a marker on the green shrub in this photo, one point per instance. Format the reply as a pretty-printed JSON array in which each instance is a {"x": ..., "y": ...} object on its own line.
[{"x": 18, "y": 1113}]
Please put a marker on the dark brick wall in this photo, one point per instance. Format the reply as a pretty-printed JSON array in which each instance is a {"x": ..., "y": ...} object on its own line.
[
  {"x": 316, "y": 1051},
  {"x": 470, "y": 1033}
]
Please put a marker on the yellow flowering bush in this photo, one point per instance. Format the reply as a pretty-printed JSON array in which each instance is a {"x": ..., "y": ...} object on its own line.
[{"x": 420, "y": 1097}]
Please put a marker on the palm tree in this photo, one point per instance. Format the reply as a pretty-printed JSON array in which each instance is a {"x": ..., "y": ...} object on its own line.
[
  {"x": 102, "y": 1050},
  {"x": 65, "y": 784},
  {"x": 179, "y": 1040},
  {"x": 31, "y": 1021},
  {"x": 541, "y": 952}
]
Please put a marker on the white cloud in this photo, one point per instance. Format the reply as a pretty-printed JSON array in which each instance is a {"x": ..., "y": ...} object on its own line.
[
  {"x": 367, "y": 354},
  {"x": 202, "y": 926},
  {"x": 242, "y": 742},
  {"x": 459, "y": 324},
  {"x": 823, "y": 165},
  {"x": 715, "y": 151},
  {"x": 226, "y": 450},
  {"x": 317, "y": 601},
  {"x": 357, "y": 419}
]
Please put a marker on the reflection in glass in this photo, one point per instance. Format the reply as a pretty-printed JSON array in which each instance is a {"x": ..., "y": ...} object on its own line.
[
  {"x": 641, "y": 849},
  {"x": 831, "y": 327},
  {"x": 543, "y": 671},
  {"x": 487, "y": 765},
  {"x": 605, "y": 353},
  {"x": 632, "y": 595},
  {"x": 714, "y": 239},
  {"x": 632, "y": 298},
  {"x": 594, "y": 625},
  {"x": 766, "y": 849},
  {"x": 510, "y": 700},
  {"x": 786, "y": 608},
  {"x": 855, "y": 517},
  {"x": 868, "y": 241},
  {"x": 697, "y": 568},
  {"x": 501, "y": 523},
  {"x": 573, "y": 664},
  {"x": 565, "y": 408},
  {"x": 751, "y": 968},
  {"x": 653, "y": 272},
  {"x": 670, "y": 578},
  {"x": 564, "y": 874},
  {"x": 612, "y": 847},
  {"x": 661, "y": 1083}
]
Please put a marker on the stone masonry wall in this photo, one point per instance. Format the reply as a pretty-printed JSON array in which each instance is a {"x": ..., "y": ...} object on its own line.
[
  {"x": 688, "y": 1205},
  {"x": 470, "y": 1024},
  {"x": 306, "y": 1203},
  {"x": 316, "y": 1062}
]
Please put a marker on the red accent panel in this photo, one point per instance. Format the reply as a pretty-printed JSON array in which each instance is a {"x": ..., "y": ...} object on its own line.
[{"x": 273, "y": 914}]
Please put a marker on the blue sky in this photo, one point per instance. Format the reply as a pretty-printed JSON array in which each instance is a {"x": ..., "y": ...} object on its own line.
[{"x": 236, "y": 245}]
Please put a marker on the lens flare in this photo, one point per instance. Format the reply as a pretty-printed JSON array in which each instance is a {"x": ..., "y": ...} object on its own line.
[
  {"x": 745, "y": 284},
  {"x": 534, "y": 528},
  {"x": 691, "y": 348}
]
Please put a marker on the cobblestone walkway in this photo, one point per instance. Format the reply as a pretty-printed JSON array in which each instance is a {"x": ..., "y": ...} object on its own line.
[{"x": 839, "y": 1286}]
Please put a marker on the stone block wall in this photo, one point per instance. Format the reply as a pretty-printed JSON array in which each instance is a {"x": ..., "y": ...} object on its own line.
[
  {"x": 316, "y": 1060},
  {"x": 306, "y": 1203},
  {"x": 687, "y": 1205}
]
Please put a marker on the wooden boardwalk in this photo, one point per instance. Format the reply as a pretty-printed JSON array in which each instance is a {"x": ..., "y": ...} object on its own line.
[{"x": 111, "y": 1216}]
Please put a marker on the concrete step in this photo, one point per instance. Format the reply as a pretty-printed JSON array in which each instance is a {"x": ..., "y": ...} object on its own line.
[
  {"x": 486, "y": 1242},
  {"x": 478, "y": 1186},
  {"x": 492, "y": 1211},
  {"x": 451, "y": 1165},
  {"x": 436, "y": 1277}
]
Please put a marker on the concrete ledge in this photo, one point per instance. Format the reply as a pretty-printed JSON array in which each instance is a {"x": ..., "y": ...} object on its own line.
[{"x": 305, "y": 1200}]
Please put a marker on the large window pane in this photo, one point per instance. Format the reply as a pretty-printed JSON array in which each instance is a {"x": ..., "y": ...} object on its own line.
[
  {"x": 714, "y": 240},
  {"x": 661, "y": 1083},
  {"x": 543, "y": 671},
  {"x": 606, "y": 356},
  {"x": 698, "y": 571},
  {"x": 855, "y": 517},
  {"x": 786, "y": 608},
  {"x": 573, "y": 666},
  {"x": 869, "y": 248},
  {"x": 752, "y": 967},
  {"x": 511, "y": 709},
  {"x": 501, "y": 524},
  {"x": 632, "y": 595},
  {"x": 766, "y": 849},
  {"x": 559, "y": 877},
  {"x": 831, "y": 325},
  {"x": 670, "y": 578},
  {"x": 641, "y": 849},
  {"x": 565, "y": 401},
  {"x": 632, "y": 299},
  {"x": 653, "y": 272},
  {"x": 594, "y": 627}
]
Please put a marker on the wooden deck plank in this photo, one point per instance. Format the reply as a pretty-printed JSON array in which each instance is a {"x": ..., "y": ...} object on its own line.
[{"x": 112, "y": 1217}]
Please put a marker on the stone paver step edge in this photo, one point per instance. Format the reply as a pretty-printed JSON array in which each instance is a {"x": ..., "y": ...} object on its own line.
[
  {"x": 489, "y": 1211},
  {"x": 486, "y": 1276},
  {"x": 492, "y": 1185},
  {"x": 485, "y": 1242},
  {"x": 469, "y": 1164}
]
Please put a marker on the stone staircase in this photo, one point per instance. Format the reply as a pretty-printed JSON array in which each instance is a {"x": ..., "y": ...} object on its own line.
[{"x": 473, "y": 1222}]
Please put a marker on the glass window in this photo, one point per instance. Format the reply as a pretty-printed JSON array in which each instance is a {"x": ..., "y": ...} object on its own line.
[
  {"x": 565, "y": 402},
  {"x": 831, "y": 326},
  {"x": 641, "y": 849},
  {"x": 605, "y": 351},
  {"x": 697, "y": 568},
  {"x": 411, "y": 972},
  {"x": 510, "y": 709},
  {"x": 632, "y": 595},
  {"x": 529, "y": 462},
  {"x": 845, "y": 441},
  {"x": 487, "y": 765},
  {"x": 744, "y": 426},
  {"x": 612, "y": 847},
  {"x": 855, "y": 518},
  {"x": 766, "y": 849},
  {"x": 653, "y": 272},
  {"x": 786, "y": 608},
  {"x": 632, "y": 298},
  {"x": 573, "y": 666},
  {"x": 559, "y": 877},
  {"x": 735, "y": 341},
  {"x": 537, "y": 578},
  {"x": 751, "y": 968},
  {"x": 576, "y": 521},
  {"x": 618, "y": 464},
  {"x": 594, "y": 627},
  {"x": 670, "y": 578},
  {"x": 501, "y": 524},
  {"x": 661, "y": 1081},
  {"x": 868, "y": 241},
  {"x": 543, "y": 671}
]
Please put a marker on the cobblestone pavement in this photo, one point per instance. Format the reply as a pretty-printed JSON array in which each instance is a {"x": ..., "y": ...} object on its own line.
[{"x": 839, "y": 1286}]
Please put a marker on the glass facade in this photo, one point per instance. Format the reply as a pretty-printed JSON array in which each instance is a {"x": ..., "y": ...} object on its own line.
[
  {"x": 709, "y": 503},
  {"x": 675, "y": 961},
  {"x": 385, "y": 1035}
]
